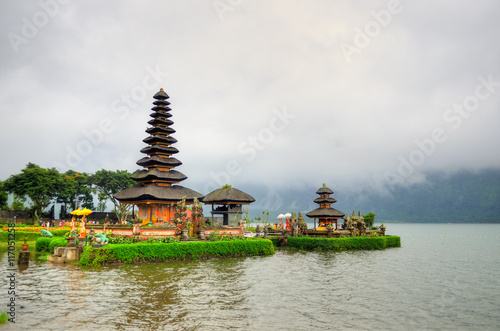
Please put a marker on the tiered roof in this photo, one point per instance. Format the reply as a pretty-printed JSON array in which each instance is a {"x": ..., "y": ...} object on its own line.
[
  {"x": 155, "y": 181},
  {"x": 325, "y": 210},
  {"x": 227, "y": 195}
]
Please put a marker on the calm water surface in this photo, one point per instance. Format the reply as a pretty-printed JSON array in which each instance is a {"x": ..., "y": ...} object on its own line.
[{"x": 444, "y": 277}]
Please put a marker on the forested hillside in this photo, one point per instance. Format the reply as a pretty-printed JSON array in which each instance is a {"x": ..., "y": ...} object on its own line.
[{"x": 462, "y": 197}]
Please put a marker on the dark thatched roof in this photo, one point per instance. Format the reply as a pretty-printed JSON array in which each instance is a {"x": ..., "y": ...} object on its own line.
[
  {"x": 155, "y": 160},
  {"x": 325, "y": 200},
  {"x": 161, "y": 95},
  {"x": 160, "y": 139},
  {"x": 161, "y": 105},
  {"x": 160, "y": 114},
  {"x": 154, "y": 192},
  {"x": 227, "y": 195},
  {"x": 172, "y": 176},
  {"x": 159, "y": 149},
  {"x": 160, "y": 130},
  {"x": 324, "y": 190},
  {"x": 159, "y": 121},
  {"x": 325, "y": 212}
]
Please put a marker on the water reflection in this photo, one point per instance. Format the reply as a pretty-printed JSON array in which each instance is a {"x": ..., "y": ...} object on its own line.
[{"x": 437, "y": 280}]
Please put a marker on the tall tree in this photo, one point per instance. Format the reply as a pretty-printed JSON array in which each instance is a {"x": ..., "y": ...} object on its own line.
[
  {"x": 77, "y": 191},
  {"x": 3, "y": 198},
  {"x": 108, "y": 183},
  {"x": 40, "y": 185}
]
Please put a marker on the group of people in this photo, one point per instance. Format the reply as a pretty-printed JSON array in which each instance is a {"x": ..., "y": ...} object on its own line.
[{"x": 50, "y": 224}]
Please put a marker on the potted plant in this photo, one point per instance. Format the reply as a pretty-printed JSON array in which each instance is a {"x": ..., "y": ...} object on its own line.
[{"x": 25, "y": 243}]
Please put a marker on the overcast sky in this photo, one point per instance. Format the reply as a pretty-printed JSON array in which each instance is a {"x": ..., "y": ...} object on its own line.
[{"x": 278, "y": 94}]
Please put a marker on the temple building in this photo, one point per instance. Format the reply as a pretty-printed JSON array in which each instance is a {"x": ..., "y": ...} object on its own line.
[
  {"x": 228, "y": 201},
  {"x": 156, "y": 192},
  {"x": 325, "y": 214}
]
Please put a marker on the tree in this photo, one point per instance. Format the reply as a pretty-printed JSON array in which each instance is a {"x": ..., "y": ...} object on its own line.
[
  {"x": 40, "y": 185},
  {"x": 108, "y": 183},
  {"x": 17, "y": 204},
  {"x": 3, "y": 198},
  {"x": 77, "y": 191},
  {"x": 369, "y": 219}
]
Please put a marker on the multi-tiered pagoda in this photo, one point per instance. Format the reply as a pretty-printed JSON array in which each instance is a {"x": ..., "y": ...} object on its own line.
[
  {"x": 325, "y": 214},
  {"x": 156, "y": 193}
]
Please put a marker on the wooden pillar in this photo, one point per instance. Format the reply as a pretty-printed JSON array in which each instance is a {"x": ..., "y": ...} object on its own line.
[{"x": 150, "y": 213}]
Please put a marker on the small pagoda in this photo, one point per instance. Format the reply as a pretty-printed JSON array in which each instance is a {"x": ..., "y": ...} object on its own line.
[
  {"x": 325, "y": 214},
  {"x": 156, "y": 194},
  {"x": 227, "y": 201}
]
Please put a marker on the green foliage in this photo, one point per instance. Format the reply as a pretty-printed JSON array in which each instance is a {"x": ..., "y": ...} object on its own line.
[
  {"x": 17, "y": 204},
  {"x": 108, "y": 183},
  {"x": 57, "y": 242},
  {"x": 42, "y": 244},
  {"x": 76, "y": 191},
  {"x": 3, "y": 317},
  {"x": 159, "y": 252},
  {"x": 341, "y": 244},
  {"x": 31, "y": 236},
  {"x": 3, "y": 198},
  {"x": 40, "y": 185},
  {"x": 369, "y": 219}
]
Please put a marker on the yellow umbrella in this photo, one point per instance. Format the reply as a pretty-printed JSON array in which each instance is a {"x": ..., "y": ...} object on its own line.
[
  {"x": 77, "y": 212},
  {"x": 86, "y": 211}
]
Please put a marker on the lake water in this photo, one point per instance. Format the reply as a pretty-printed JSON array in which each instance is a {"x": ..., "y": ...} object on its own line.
[{"x": 444, "y": 277}]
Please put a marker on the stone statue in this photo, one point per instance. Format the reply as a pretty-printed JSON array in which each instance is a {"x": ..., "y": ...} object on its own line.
[
  {"x": 294, "y": 225},
  {"x": 302, "y": 223},
  {"x": 46, "y": 233},
  {"x": 103, "y": 237},
  {"x": 266, "y": 231}
]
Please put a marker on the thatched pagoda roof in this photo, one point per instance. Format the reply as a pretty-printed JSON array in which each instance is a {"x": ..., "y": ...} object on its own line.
[
  {"x": 324, "y": 190},
  {"x": 227, "y": 195},
  {"x": 325, "y": 213},
  {"x": 160, "y": 139},
  {"x": 172, "y": 176},
  {"x": 325, "y": 200},
  {"x": 159, "y": 121},
  {"x": 172, "y": 193},
  {"x": 155, "y": 160},
  {"x": 161, "y": 95},
  {"x": 159, "y": 113},
  {"x": 159, "y": 149},
  {"x": 160, "y": 130}
]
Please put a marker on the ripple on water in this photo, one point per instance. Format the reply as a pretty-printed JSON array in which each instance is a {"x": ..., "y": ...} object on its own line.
[{"x": 432, "y": 282}]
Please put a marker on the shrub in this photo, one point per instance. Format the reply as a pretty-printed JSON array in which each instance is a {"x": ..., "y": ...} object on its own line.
[
  {"x": 57, "y": 242},
  {"x": 159, "y": 252},
  {"x": 340, "y": 244},
  {"x": 3, "y": 317},
  {"x": 42, "y": 244}
]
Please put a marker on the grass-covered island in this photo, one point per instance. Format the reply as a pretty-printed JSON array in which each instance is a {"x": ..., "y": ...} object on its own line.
[
  {"x": 342, "y": 244},
  {"x": 161, "y": 252}
]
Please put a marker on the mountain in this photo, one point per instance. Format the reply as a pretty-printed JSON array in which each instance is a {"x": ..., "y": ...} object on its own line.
[{"x": 461, "y": 197}]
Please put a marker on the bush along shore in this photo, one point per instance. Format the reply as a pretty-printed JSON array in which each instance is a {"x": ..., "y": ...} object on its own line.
[
  {"x": 30, "y": 235},
  {"x": 342, "y": 244},
  {"x": 161, "y": 252}
]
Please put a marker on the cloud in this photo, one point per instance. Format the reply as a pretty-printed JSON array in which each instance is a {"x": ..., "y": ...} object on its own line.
[{"x": 353, "y": 122}]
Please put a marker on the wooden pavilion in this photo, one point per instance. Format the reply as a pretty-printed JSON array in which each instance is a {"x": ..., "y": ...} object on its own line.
[
  {"x": 227, "y": 201},
  {"x": 325, "y": 214},
  {"x": 156, "y": 194}
]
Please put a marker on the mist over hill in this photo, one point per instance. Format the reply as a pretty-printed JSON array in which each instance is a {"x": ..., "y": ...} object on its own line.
[{"x": 461, "y": 197}]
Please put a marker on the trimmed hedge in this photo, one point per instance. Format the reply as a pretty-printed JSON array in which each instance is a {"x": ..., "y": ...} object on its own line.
[
  {"x": 44, "y": 244},
  {"x": 57, "y": 242},
  {"x": 160, "y": 252},
  {"x": 32, "y": 236},
  {"x": 341, "y": 244}
]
